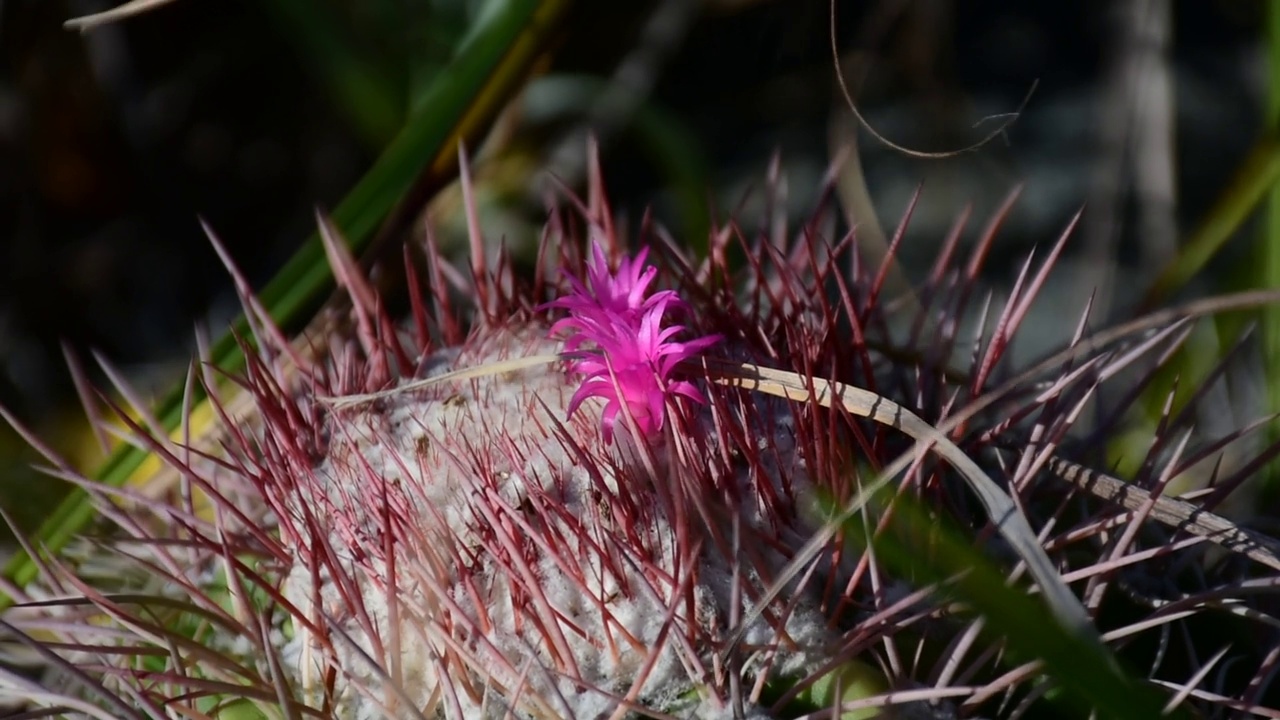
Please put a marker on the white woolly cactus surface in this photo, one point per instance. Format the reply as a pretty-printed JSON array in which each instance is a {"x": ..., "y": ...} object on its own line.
[{"x": 535, "y": 568}]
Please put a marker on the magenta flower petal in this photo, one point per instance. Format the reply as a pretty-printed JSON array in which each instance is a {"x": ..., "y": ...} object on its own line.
[{"x": 616, "y": 332}]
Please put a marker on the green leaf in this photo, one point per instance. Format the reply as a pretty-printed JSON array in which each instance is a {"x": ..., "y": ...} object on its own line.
[
  {"x": 928, "y": 550},
  {"x": 1268, "y": 250},
  {"x": 1258, "y": 174}
]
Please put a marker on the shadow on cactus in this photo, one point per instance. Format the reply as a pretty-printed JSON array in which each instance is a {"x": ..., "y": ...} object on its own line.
[{"x": 648, "y": 485}]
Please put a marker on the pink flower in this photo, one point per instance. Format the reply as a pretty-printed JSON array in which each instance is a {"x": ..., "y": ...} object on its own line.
[
  {"x": 630, "y": 356},
  {"x": 608, "y": 298}
]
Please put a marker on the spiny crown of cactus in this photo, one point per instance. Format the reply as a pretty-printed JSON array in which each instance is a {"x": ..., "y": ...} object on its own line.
[{"x": 543, "y": 504}]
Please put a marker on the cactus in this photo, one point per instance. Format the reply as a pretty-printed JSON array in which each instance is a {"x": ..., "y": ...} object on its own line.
[{"x": 575, "y": 496}]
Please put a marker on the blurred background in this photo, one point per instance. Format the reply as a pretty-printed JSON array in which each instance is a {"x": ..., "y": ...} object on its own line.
[{"x": 1153, "y": 115}]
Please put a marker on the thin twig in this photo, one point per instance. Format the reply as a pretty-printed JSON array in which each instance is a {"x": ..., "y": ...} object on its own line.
[
  {"x": 1009, "y": 118},
  {"x": 86, "y": 23},
  {"x": 1000, "y": 507},
  {"x": 1010, "y": 521},
  {"x": 1176, "y": 513}
]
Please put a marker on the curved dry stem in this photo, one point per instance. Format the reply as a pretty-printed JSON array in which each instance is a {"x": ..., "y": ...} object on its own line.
[
  {"x": 1195, "y": 309},
  {"x": 85, "y": 23},
  {"x": 863, "y": 403},
  {"x": 853, "y": 108},
  {"x": 1000, "y": 507},
  {"x": 469, "y": 373}
]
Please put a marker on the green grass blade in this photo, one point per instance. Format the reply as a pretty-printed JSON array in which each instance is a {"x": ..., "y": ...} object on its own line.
[
  {"x": 489, "y": 67},
  {"x": 1252, "y": 182},
  {"x": 1255, "y": 186},
  {"x": 1269, "y": 245},
  {"x": 919, "y": 546}
]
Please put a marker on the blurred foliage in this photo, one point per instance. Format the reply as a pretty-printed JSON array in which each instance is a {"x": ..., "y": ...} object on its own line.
[
  {"x": 920, "y": 545},
  {"x": 1269, "y": 243}
]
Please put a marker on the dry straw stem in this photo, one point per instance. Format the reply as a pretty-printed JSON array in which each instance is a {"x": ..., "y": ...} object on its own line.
[
  {"x": 485, "y": 370},
  {"x": 1010, "y": 521},
  {"x": 1175, "y": 513},
  {"x": 1005, "y": 124},
  {"x": 863, "y": 403},
  {"x": 86, "y": 23},
  {"x": 1247, "y": 300}
]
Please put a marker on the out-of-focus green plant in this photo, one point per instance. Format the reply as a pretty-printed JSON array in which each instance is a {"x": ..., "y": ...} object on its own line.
[
  {"x": 919, "y": 544},
  {"x": 1255, "y": 178},
  {"x": 1254, "y": 187},
  {"x": 1269, "y": 243}
]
